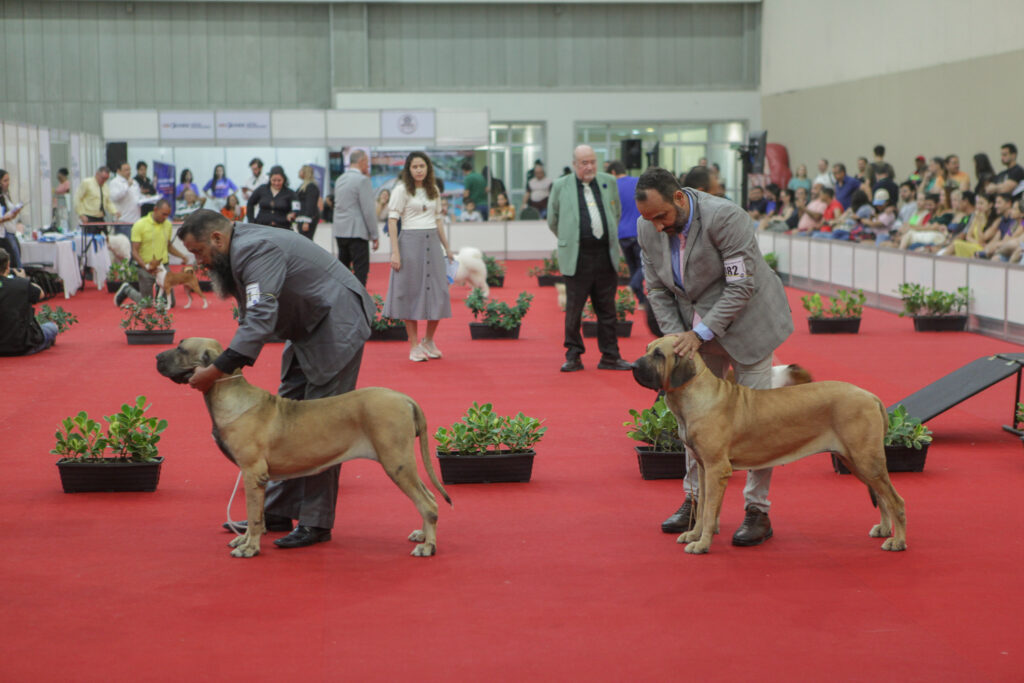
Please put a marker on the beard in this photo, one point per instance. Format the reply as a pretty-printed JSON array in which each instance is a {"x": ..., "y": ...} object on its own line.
[{"x": 220, "y": 274}]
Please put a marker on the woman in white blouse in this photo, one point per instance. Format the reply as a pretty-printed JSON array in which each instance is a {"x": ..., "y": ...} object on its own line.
[{"x": 418, "y": 285}]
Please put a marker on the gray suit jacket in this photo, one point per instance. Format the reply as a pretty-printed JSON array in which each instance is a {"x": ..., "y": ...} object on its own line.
[
  {"x": 354, "y": 212},
  {"x": 747, "y": 309},
  {"x": 291, "y": 288}
]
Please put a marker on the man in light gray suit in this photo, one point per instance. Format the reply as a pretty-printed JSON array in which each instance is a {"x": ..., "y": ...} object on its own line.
[
  {"x": 710, "y": 286},
  {"x": 355, "y": 216},
  {"x": 289, "y": 288}
]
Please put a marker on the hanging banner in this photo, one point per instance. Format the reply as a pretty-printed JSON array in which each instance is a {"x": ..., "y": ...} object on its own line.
[
  {"x": 186, "y": 125},
  {"x": 243, "y": 125},
  {"x": 163, "y": 180}
]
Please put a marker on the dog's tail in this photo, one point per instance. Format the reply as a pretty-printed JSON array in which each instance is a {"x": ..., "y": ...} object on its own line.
[
  {"x": 421, "y": 431},
  {"x": 885, "y": 428}
]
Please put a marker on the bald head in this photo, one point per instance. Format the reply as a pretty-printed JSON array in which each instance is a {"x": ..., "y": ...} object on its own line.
[{"x": 584, "y": 162}]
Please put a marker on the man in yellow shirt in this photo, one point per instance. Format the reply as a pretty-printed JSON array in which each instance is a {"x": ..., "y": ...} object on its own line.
[
  {"x": 91, "y": 201},
  {"x": 151, "y": 243}
]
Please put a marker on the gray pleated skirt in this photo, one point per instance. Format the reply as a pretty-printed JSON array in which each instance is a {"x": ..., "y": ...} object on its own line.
[{"x": 419, "y": 291}]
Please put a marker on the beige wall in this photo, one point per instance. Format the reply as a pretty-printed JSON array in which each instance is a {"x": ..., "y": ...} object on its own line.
[{"x": 961, "y": 108}]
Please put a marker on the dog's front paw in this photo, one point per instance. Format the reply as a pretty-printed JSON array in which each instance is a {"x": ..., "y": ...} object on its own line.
[
  {"x": 417, "y": 536},
  {"x": 893, "y": 544},
  {"x": 879, "y": 531},
  {"x": 688, "y": 536},
  {"x": 424, "y": 550},
  {"x": 698, "y": 547},
  {"x": 245, "y": 551},
  {"x": 238, "y": 540}
]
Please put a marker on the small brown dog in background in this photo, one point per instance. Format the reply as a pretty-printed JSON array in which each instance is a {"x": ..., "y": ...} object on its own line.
[{"x": 166, "y": 280}]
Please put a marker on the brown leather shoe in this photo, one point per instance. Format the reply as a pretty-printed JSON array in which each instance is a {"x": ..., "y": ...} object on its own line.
[
  {"x": 755, "y": 530},
  {"x": 683, "y": 519}
]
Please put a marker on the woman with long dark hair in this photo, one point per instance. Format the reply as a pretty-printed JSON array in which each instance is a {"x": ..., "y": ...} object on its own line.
[
  {"x": 9, "y": 211},
  {"x": 219, "y": 187},
  {"x": 983, "y": 171},
  {"x": 418, "y": 284},
  {"x": 185, "y": 183},
  {"x": 275, "y": 201}
]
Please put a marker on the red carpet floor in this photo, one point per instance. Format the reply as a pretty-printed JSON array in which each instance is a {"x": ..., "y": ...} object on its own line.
[{"x": 565, "y": 578}]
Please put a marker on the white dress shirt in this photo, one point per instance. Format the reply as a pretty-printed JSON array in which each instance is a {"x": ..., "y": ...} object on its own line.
[{"x": 126, "y": 194}]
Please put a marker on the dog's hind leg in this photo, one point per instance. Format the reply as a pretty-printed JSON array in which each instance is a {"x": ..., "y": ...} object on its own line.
[
  {"x": 892, "y": 509},
  {"x": 248, "y": 545},
  {"x": 405, "y": 475}
]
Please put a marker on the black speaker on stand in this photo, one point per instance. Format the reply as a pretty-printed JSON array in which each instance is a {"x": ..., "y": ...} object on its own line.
[
  {"x": 117, "y": 154},
  {"x": 632, "y": 152}
]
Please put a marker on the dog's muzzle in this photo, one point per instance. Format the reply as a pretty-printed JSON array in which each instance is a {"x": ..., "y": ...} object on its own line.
[
  {"x": 168, "y": 366},
  {"x": 645, "y": 374}
]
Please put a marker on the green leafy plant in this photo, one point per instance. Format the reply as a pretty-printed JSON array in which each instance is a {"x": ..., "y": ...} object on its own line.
[
  {"x": 625, "y": 304},
  {"x": 549, "y": 267},
  {"x": 919, "y": 300},
  {"x": 772, "y": 259},
  {"x": 656, "y": 426},
  {"x": 131, "y": 436},
  {"x": 146, "y": 315},
  {"x": 125, "y": 270},
  {"x": 623, "y": 271},
  {"x": 482, "y": 431},
  {"x": 498, "y": 313},
  {"x": 380, "y": 321},
  {"x": 846, "y": 304},
  {"x": 495, "y": 271},
  {"x": 58, "y": 315},
  {"x": 1019, "y": 415},
  {"x": 906, "y": 431}
]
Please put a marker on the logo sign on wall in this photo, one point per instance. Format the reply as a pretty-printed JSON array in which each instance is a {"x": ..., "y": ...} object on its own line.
[
  {"x": 243, "y": 125},
  {"x": 407, "y": 124},
  {"x": 186, "y": 125}
]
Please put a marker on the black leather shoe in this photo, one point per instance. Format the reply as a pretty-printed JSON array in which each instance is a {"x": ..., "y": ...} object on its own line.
[
  {"x": 617, "y": 364},
  {"x": 303, "y": 536},
  {"x": 755, "y": 530},
  {"x": 273, "y": 522},
  {"x": 683, "y": 519},
  {"x": 573, "y": 365}
]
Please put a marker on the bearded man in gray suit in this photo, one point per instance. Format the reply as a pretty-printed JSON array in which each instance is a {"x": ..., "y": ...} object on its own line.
[
  {"x": 287, "y": 287},
  {"x": 711, "y": 288}
]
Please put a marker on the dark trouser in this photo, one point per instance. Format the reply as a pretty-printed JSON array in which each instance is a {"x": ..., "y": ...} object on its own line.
[
  {"x": 10, "y": 244},
  {"x": 354, "y": 254},
  {"x": 307, "y": 230},
  {"x": 597, "y": 280},
  {"x": 311, "y": 500},
  {"x": 631, "y": 252}
]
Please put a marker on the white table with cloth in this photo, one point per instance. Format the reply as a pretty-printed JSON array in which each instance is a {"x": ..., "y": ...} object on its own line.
[{"x": 60, "y": 252}]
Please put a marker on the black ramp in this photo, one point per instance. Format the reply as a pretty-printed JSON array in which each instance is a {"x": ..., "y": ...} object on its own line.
[{"x": 976, "y": 376}]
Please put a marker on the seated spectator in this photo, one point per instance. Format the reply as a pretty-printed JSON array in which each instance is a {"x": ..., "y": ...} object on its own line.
[
  {"x": 865, "y": 173},
  {"x": 785, "y": 217},
  {"x": 771, "y": 196},
  {"x": 884, "y": 219},
  {"x": 984, "y": 172},
  {"x": 980, "y": 229},
  {"x": 908, "y": 203},
  {"x": 955, "y": 178},
  {"x": 469, "y": 213},
  {"x": 1011, "y": 180},
  {"x": 757, "y": 204},
  {"x": 933, "y": 234},
  {"x": 884, "y": 181},
  {"x": 934, "y": 176},
  {"x": 833, "y": 209},
  {"x": 850, "y": 224},
  {"x": 963, "y": 210},
  {"x": 704, "y": 179},
  {"x": 811, "y": 213},
  {"x": 20, "y": 333},
  {"x": 824, "y": 177},
  {"x": 233, "y": 209},
  {"x": 920, "y": 168},
  {"x": 926, "y": 204},
  {"x": 844, "y": 185},
  {"x": 188, "y": 204},
  {"x": 1006, "y": 238},
  {"x": 503, "y": 211},
  {"x": 800, "y": 179}
]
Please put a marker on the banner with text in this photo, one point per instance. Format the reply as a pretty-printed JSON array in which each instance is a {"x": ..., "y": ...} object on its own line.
[
  {"x": 243, "y": 125},
  {"x": 163, "y": 179},
  {"x": 186, "y": 125}
]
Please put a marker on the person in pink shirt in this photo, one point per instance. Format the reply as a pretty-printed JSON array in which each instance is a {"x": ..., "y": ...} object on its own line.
[{"x": 811, "y": 212}]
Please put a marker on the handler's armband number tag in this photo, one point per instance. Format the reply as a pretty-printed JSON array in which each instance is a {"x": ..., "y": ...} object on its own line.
[
  {"x": 735, "y": 269},
  {"x": 252, "y": 293}
]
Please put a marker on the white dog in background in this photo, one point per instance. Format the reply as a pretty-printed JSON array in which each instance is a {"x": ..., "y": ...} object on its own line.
[
  {"x": 472, "y": 270},
  {"x": 120, "y": 246}
]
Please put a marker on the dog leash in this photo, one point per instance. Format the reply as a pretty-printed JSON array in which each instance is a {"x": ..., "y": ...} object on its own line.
[{"x": 235, "y": 526}]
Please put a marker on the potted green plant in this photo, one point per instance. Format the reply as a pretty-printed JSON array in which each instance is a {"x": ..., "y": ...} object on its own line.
[
  {"x": 663, "y": 456},
  {"x": 131, "y": 438},
  {"x": 121, "y": 271},
  {"x": 772, "y": 259},
  {"x": 623, "y": 271},
  {"x": 843, "y": 313},
  {"x": 147, "y": 322},
  {"x": 935, "y": 310},
  {"x": 1018, "y": 418},
  {"x": 547, "y": 273},
  {"x": 484, "y": 447},
  {"x": 57, "y": 315},
  {"x": 625, "y": 304},
  {"x": 906, "y": 443},
  {"x": 497, "y": 320},
  {"x": 495, "y": 272},
  {"x": 386, "y": 329}
]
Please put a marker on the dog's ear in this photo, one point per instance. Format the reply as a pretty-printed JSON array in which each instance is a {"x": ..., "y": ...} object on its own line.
[
  {"x": 207, "y": 358},
  {"x": 683, "y": 371}
]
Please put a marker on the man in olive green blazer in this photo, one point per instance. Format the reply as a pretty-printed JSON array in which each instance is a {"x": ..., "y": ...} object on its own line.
[{"x": 583, "y": 212}]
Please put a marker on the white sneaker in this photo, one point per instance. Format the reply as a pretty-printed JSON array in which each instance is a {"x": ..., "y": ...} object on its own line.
[
  {"x": 430, "y": 348},
  {"x": 417, "y": 354}
]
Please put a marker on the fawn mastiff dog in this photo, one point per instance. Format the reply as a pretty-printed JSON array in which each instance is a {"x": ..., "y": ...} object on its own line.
[
  {"x": 272, "y": 438},
  {"x": 728, "y": 426}
]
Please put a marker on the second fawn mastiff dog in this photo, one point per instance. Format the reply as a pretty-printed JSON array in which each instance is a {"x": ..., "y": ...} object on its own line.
[
  {"x": 728, "y": 426},
  {"x": 272, "y": 438}
]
